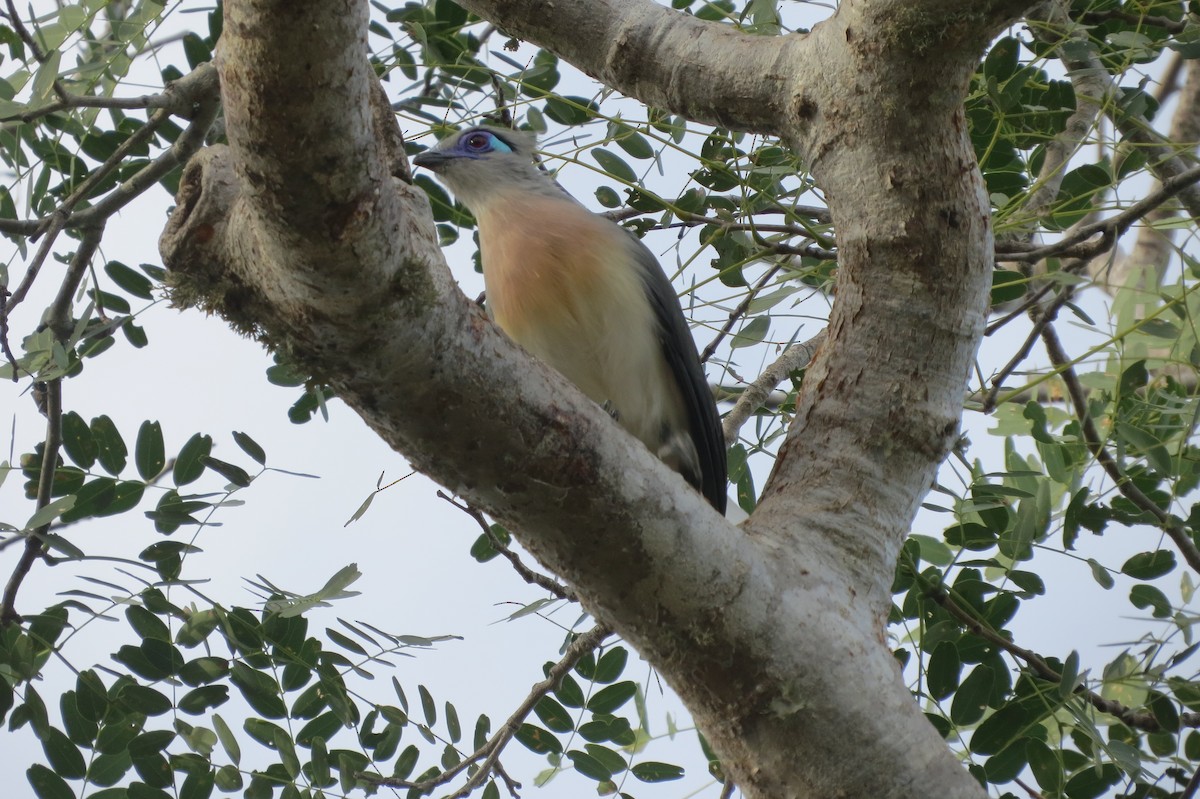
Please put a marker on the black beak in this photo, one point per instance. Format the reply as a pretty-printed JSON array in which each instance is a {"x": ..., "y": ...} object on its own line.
[{"x": 431, "y": 159}]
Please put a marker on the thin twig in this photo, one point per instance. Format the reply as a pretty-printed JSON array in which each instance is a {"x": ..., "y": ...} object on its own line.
[
  {"x": 1189, "y": 791},
  {"x": 1138, "y": 720},
  {"x": 1095, "y": 444},
  {"x": 56, "y": 222},
  {"x": 738, "y": 312},
  {"x": 527, "y": 574},
  {"x": 5, "y": 347},
  {"x": 1110, "y": 229},
  {"x": 195, "y": 96},
  {"x": 1033, "y": 793},
  {"x": 58, "y": 319},
  {"x": 1073, "y": 266},
  {"x": 70, "y": 101},
  {"x": 23, "y": 33},
  {"x": 1166, "y": 23},
  {"x": 490, "y": 752},
  {"x": 33, "y": 542},
  {"x": 1041, "y": 317},
  {"x": 752, "y": 398}
]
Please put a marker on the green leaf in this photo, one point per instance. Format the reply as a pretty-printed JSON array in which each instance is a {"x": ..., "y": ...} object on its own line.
[
  {"x": 199, "y": 700},
  {"x": 427, "y": 705},
  {"x": 609, "y": 699},
  {"x": 553, "y": 715},
  {"x": 109, "y": 769},
  {"x": 636, "y": 145},
  {"x": 752, "y": 333},
  {"x": 198, "y": 785},
  {"x": 250, "y": 447},
  {"x": 651, "y": 771},
  {"x": 144, "y": 699},
  {"x": 483, "y": 549},
  {"x": 610, "y": 759},
  {"x": 48, "y": 513},
  {"x": 260, "y": 691},
  {"x": 228, "y": 739},
  {"x": 46, "y": 784},
  {"x": 146, "y": 624},
  {"x": 1149, "y": 565},
  {"x": 538, "y": 740},
  {"x": 972, "y": 697},
  {"x": 287, "y": 753},
  {"x": 589, "y": 766},
  {"x": 1000, "y": 729},
  {"x": 569, "y": 692},
  {"x": 234, "y": 474},
  {"x": 189, "y": 465},
  {"x": 1100, "y": 574},
  {"x": 77, "y": 440},
  {"x": 453, "y": 727},
  {"x": 1147, "y": 596},
  {"x": 110, "y": 448},
  {"x": 611, "y": 664},
  {"x": 614, "y": 165},
  {"x": 149, "y": 454},
  {"x": 406, "y": 762},
  {"x": 319, "y": 764},
  {"x": 942, "y": 672},
  {"x": 64, "y": 756},
  {"x": 131, "y": 281},
  {"x": 1008, "y": 286}
]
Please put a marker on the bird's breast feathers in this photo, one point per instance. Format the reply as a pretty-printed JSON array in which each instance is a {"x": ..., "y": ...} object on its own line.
[{"x": 566, "y": 284}]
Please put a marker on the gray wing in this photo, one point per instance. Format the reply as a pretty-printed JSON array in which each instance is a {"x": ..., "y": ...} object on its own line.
[{"x": 704, "y": 425}]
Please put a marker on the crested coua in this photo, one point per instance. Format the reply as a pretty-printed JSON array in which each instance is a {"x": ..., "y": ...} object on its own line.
[{"x": 585, "y": 296}]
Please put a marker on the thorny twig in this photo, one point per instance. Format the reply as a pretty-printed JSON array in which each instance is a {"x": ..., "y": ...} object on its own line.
[
  {"x": 527, "y": 574},
  {"x": 488, "y": 755}
]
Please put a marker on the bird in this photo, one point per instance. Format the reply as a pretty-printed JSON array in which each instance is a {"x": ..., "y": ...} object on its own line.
[{"x": 587, "y": 297}]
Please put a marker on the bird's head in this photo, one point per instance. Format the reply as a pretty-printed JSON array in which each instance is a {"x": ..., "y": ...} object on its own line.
[{"x": 481, "y": 162}]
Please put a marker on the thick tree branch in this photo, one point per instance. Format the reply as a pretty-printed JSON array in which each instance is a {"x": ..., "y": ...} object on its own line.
[
  {"x": 657, "y": 55},
  {"x": 298, "y": 234}
]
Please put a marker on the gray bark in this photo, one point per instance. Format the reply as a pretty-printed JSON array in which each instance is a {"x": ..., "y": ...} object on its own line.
[{"x": 772, "y": 635}]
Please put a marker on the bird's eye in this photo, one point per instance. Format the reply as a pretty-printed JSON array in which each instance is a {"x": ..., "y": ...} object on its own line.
[{"x": 478, "y": 142}]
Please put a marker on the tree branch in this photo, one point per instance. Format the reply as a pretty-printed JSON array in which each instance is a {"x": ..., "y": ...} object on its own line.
[
  {"x": 488, "y": 755},
  {"x": 527, "y": 574},
  {"x": 654, "y": 53},
  {"x": 1140, "y": 720},
  {"x": 795, "y": 356},
  {"x": 1091, "y": 437}
]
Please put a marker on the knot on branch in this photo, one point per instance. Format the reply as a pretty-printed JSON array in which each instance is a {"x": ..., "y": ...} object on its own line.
[{"x": 195, "y": 242}]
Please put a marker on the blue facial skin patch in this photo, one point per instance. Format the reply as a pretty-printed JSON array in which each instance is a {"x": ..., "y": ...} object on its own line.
[{"x": 480, "y": 142}]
